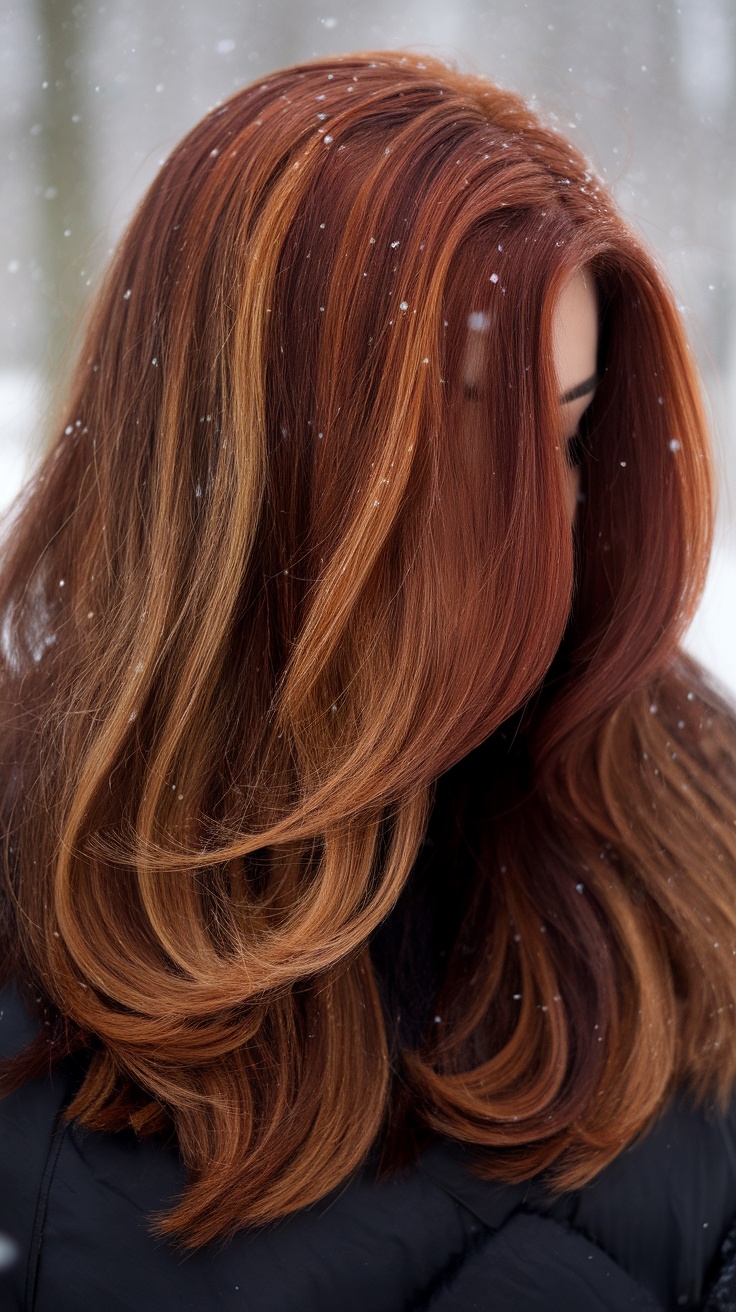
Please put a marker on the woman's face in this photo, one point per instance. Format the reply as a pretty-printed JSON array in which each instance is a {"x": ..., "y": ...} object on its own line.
[{"x": 575, "y": 347}]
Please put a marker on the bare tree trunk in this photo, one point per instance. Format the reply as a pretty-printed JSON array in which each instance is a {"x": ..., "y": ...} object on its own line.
[{"x": 65, "y": 187}]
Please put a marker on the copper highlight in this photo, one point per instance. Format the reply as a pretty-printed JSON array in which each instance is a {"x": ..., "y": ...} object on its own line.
[{"x": 295, "y": 580}]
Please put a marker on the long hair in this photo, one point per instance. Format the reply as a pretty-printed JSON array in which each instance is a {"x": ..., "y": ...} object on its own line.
[{"x": 300, "y": 550}]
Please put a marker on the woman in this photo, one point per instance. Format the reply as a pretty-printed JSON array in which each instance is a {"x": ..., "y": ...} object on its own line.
[{"x": 370, "y": 844}]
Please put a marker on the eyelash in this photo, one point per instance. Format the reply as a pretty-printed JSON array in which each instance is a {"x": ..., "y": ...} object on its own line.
[{"x": 575, "y": 451}]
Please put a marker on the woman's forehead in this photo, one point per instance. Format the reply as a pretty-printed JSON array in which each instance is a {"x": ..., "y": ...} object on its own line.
[{"x": 575, "y": 337}]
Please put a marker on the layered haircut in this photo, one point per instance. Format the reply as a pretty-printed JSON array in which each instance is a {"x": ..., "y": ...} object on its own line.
[{"x": 299, "y": 547}]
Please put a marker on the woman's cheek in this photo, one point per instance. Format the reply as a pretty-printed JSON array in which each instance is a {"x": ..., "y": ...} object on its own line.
[{"x": 572, "y": 490}]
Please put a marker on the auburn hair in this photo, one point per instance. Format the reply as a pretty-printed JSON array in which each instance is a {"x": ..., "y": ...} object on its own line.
[{"x": 298, "y": 561}]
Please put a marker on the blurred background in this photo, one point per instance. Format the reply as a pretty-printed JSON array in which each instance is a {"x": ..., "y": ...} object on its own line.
[{"x": 96, "y": 92}]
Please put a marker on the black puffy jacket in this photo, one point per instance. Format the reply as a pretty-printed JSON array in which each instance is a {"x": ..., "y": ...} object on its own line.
[{"x": 646, "y": 1233}]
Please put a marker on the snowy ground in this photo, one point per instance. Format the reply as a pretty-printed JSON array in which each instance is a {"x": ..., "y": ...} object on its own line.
[{"x": 712, "y": 637}]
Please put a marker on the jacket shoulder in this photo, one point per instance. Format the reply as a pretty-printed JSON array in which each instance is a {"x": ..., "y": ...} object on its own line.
[
  {"x": 28, "y": 1130},
  {"x": 17, "y": 1026}
]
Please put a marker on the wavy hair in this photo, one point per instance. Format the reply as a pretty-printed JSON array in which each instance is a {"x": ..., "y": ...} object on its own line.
[{"x": 298, "y": 551}]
